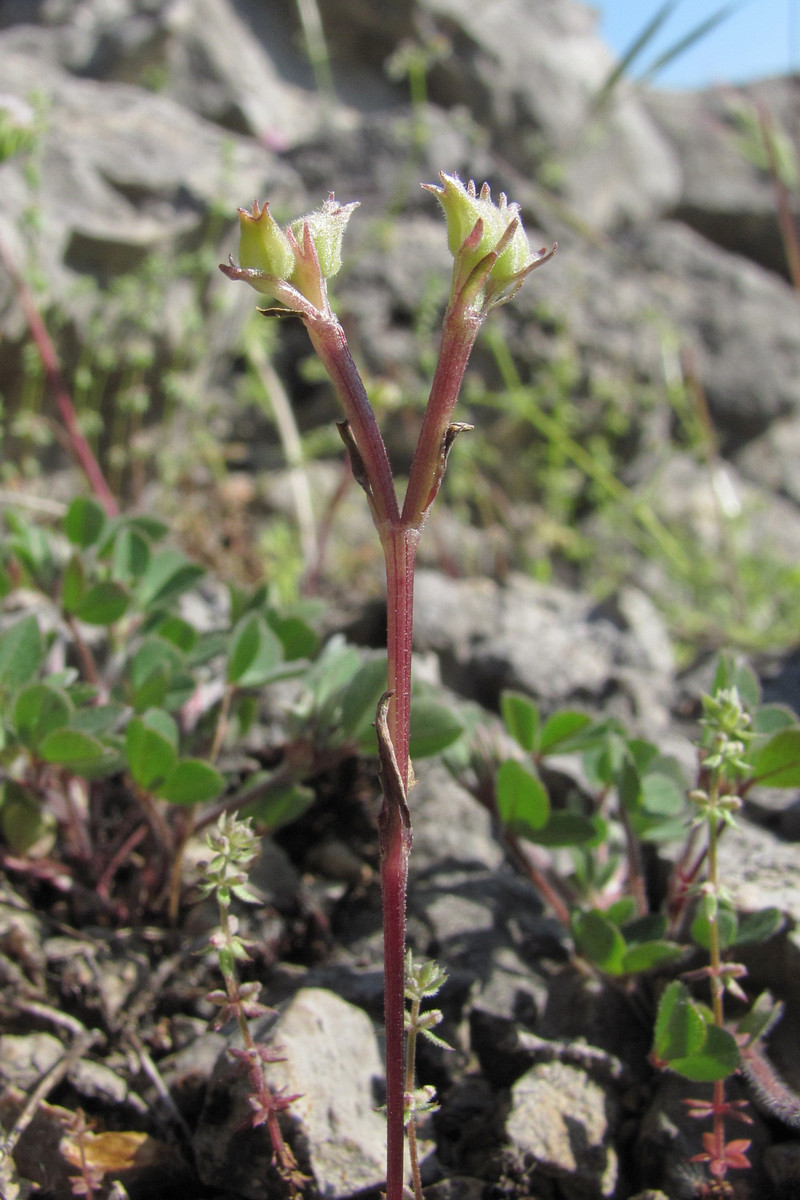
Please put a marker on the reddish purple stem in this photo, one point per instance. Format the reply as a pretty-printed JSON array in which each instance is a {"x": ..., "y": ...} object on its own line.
[{"x": 52, "y": 369}]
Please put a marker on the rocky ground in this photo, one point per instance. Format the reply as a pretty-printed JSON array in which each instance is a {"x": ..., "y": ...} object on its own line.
[{"x": 156, "y": 116}]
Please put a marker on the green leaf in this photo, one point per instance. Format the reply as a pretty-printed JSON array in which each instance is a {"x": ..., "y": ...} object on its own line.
[
  {"x": 434, "y": 727},
  {"x": 561, "y": 732},
  {"x": 758, "y": 926},
  {"x": 717, "y": 1059},
  {"x": 130, "y": 555},
  {"x": 730, "y": 673},
  {"x": 622, "y": 911},
  {"x": 84, "y": 521},
  {"x": 153, "y": 529},
  {"x": 73, "y": 584},
  {"x": 777, "y": 764},
  {"x": 150, "y": 755},
  {"x": 661, "y": 795},
  {"x": 770, "y": 718},
  {"x": 281, "y": 806},
  {"x": 21, "y": 652},
  {"x": 255, "y": 652},
  {"x": 629, "y": 785},
  {"x": 599, "y": 940},
  {"x": 178, "y": 632},
  {"x": 563, "y": 828},
  {"x": 26, "y": 829},
  {"x": 74, "y": 749},
  {"x": 523, "y": 804},
  {"x": 169, "y": 573},
  {"x": 648, "y": 928},
  {"x": 39, "y": 710},
  {"x": 727, "y": 923},
  {"x": 150, "y": 672},
  {"x": 98, "y": 720},
  {"x": 761, "y": 1017},
  {"x": 680, "y": 1028},
  {"x": 333, "y": 670},
  {"x": 191, "y": 782},
  {"x": 163, "y": 723},
  {"x": 103, "y": 604},
  {"x": 521, "y": 719},
  {"x": 646, "y": 956},
  {"x": 360, "y": 702},
  {"x": 296, "y": 636}
]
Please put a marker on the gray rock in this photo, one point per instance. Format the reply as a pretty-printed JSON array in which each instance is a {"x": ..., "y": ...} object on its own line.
[
  {"x": 535, "y": 93},
  {"x": 543, "y": 640},
  {"x": 728, "y": 195},
  {"x": 562, "y": 1124},
  {"x": 333, "y": 1065},
  {"x": 766, "y": 870},
  {"x": 25, "y": 1058}
]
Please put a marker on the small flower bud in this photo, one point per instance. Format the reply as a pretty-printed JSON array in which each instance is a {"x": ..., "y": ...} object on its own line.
[
  {"x": 326, "y": 226},
  {"x": 264, "y": 248},
  {"x": 478, "y": 227}
]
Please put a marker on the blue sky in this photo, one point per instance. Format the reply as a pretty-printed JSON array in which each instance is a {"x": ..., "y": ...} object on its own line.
[{"x": 760, "y": 37}]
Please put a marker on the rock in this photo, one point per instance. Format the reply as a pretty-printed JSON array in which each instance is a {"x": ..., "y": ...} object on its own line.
[
  {"x": 728, "y": 195},
  {"x": 543, "y": 640},
  {"x": 562, "y": 1124},
  {"x": 536, "y": 94},
  {"x": 332, "y": 1064},
  {"x": 25, "y": 1058},
  {"x": 766, "y": 870}
]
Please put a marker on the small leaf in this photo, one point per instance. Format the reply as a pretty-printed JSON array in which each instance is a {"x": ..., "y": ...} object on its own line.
[
  {"x": 521, "y": 719},
  {"x": 434, "y": 727},
  {"x": 770, "y": 718},
  {"x": 680, "y": 1029},
  {"x": 169, "y": 573},
  {"x": 629, "y": 785},
  {"x": 646, "y": 956},
  {"x": 74, "y": 749},
  {"x": 661, "y": 795},
  {"x": 717, "y": 1059},
  {"x": 103, "y": 604},
  {"x": 73, "y": 584},
  {"x": 21, "y": 652},
  {"x": 84, "y": 521},
  {"x": 297, "y": 638},
  {"x": 163, "y": 723},
  {"x": 523, "y": 804},
  {"x": 563, "y": 828},
  {"x": 151, "y": 671},
  {"x": 561, "y": 732},
  {"x": 255, "y": 652},
  {"x": 130, "y": 555},
  {"x": 150, "y": 756},
  {"x": 359, "y": 701},
  {"x": 39, "y": 709},
  {"x": 777, "y": 764},
  {"x": 599, "y": 940},
  {"x": 25, "y": 827},
  {"x": 649, "y": 928},
  {"x": 178, "y": 632},
  {"x": 281, "y": 806},
  {"x": 622, "y": 911},
  {"x": 98, "y": 720},
  {"x": 727, "y": 923},
  {"x": 191, "y": 782},
  {"x": 758, "y": 926}
]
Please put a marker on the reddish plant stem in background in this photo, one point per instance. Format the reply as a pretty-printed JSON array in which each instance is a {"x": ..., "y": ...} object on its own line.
[
  {"x": 52, "y": 369},
  {"x": 783, "y": 204}
]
